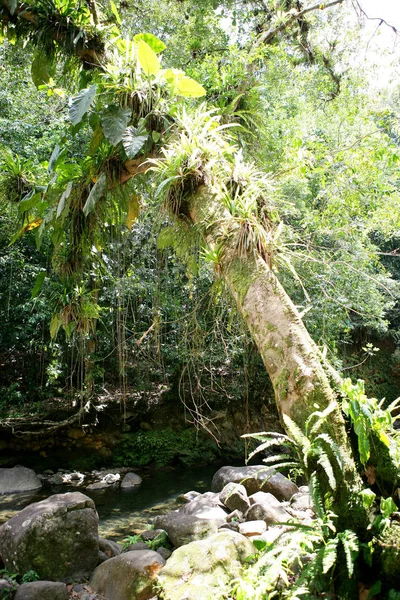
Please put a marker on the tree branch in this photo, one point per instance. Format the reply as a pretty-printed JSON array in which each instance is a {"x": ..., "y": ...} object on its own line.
[{"x": 269, "y": 35}]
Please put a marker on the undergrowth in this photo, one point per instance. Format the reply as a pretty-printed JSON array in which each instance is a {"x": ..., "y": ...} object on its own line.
[{"x": 165, "y": 447}]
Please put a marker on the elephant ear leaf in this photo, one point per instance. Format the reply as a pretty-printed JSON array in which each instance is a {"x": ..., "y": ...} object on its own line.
[
  {"x": 133, "y": 142},
  {"x": 80, "y": 104},
  {"x": 151, "y": 40},
  {"x": 114, "y": 123},
  {"x": 189, "y": 88},
  {"x": 148, "y": 59}
]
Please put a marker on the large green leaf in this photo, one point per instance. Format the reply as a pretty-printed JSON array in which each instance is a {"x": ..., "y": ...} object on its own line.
[
  {"x": 189, "y": 88},
  {"x": 41, "y": 69},
  {"x": 182, "y": 84},
  {"x": 29, "y": 202},
  {"x": 114, "y": 122},
  {"x": 133, "y": 142},
  {"x": 148, "y": 59},
  {"x": 80, "y": 104},
  {"x": 150, "y": 39},
  {"x": 38, "y": 284},
  {"x": 96, "y": 193}
]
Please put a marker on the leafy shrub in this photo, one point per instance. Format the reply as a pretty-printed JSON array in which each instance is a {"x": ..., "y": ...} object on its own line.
[{"x": 165, "y": 447}]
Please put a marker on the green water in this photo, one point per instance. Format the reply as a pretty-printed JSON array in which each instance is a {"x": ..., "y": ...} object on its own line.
[{"x": 122, "y": 512}]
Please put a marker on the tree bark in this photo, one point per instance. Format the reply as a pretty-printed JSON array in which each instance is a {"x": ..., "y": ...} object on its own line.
[{"x": 293, "y": 362}]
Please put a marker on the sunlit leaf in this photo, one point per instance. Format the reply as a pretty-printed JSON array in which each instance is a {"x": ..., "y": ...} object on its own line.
[
  {"x": 133, "y": 211},
  {"x": 155, "y": 44},
  {"x": 148, "y": 59},
  {"x": 115, "y": 12},
  {"x": 189, "y": 88}
]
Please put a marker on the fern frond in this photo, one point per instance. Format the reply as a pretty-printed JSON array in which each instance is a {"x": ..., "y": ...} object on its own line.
[
  {"x": 325, "y": 463},
  {"x": 316, "y": 496},
  {"x": 351, "y": 548},
  {"x": 267, "y": 444},
  {"x": 321, "y": 417},
  {"x": 393, "y": 405},
  {"x": 329, "y": 554},
  {"x": 295, "y": 432},
  {"x": 336, "y": 452}
]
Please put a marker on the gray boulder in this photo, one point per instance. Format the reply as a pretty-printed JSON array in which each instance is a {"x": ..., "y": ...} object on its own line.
[
  {"x": 18, "y": 479},
  {"x": 204, "y": 569},
  {"x": 252, "y": 528},
  {"x": 266, "y": 507},
  {"x": 57, "y": 538},
  {"x": 234, "y": 496},
  {"x": 188, "y": 496},
  {"x": 130, "y": 481},
  {"x": 205, "y": 506},
  {"x": 301, "y": 502},
  {"x": 255, "y": 478},
  {"x": 129, "y": 576},
  {"x": 7, "y": 588},
  {"x": 42, "y": 590},
  {"x": 183, "y": 529}
]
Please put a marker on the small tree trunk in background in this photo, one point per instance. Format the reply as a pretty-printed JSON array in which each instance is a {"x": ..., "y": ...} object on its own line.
[{"x": 300, "y": 381}]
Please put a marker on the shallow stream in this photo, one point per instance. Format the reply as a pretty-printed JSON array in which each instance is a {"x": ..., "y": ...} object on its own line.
[{"x": 121, "y": 513}]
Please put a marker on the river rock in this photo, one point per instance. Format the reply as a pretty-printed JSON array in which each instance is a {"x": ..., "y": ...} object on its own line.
[
  {"x": 266, "y": 507},
  {"x": 151, "y": 534},
  {"x": 252, "y": 528},
  {"x": 205, "y": 506},
  {"x": 109, "y": 548},
  {"x": 18, "y": 479},
  {"x": 234, "y": 496},
  {"x": 204, "y": 569},
  {"x": 129, "y": 576},
  {"x": 183, "y": 529},
  {"x": 42, "y": 590},
  {"x": 188, "y": 496},
  {"x": 255, "y": 478},
  {"x": 131, "y": 480},
  {"x": 301, "y": 502},
  {"x": 165, "y": 553},
  {"x": 6, "y": 588},
  {"x": 57, "y": 538},
  {"x": 111, "y": 478}
]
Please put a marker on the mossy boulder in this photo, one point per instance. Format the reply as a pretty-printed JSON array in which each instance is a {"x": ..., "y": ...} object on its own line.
[
  {"x": 205, "y": 568},
  {"x": 183, "y": 529},
  {"x": 57, "y": 538},
  {"x": 129, "y": 576}
]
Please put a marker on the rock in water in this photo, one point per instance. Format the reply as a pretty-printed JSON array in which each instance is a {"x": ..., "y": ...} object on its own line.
[
  {"x": 57, "y": 538},
  {"x": 129, "y": 576},
  {"x": 18, "y": 479},
  {"x": 42, "y": 590},
  {"x": 255, "y": 478},
  {"x": 203, "y": 569},
  {"x": 130, "y": 481}
]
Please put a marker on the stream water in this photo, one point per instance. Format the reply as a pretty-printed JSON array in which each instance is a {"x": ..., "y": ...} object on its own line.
[{"x": 123, "y": 512}]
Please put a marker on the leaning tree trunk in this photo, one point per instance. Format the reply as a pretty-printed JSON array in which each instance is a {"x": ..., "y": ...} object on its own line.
[{"x": 300, "y": 380}]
